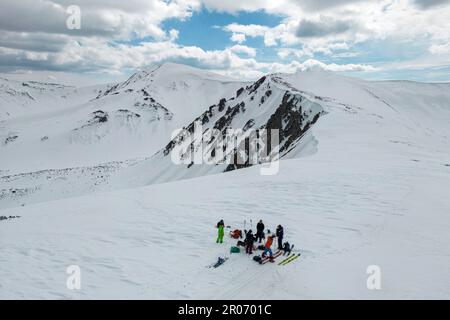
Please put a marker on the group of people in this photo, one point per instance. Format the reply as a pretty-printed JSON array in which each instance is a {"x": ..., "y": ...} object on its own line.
[{"x": 251, "y": 239}]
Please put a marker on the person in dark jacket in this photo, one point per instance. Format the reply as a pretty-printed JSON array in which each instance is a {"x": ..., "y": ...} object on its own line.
[
  {"x": 220, "y": 223},
  {"x": 249, "y": 240},
  {"x": 260, "y": 231},
  {"x": 280, "y": 234},
  {"x": 287, "y": 248}
]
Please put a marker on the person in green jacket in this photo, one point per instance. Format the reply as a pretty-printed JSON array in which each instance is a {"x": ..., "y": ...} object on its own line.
[{"x": 221, "y": 231}]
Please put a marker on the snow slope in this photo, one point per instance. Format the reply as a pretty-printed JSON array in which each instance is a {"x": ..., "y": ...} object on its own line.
[
  {"x": 400, "y": 113},
  {"x": 154, "y": 242},
  {"x": 372, "y": 190},
  {"x": 87, "y": 126},
  {"x": 31, "y": 97},
  {"x": 264, "y": 105}
]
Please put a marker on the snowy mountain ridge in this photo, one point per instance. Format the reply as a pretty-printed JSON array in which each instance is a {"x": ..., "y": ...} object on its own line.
[
  {"x": 256, "y": 109},
  {"x": 132, "y": 119},
  {"x": 265, "y": 104},
  {"x": 128, "y": 118}
]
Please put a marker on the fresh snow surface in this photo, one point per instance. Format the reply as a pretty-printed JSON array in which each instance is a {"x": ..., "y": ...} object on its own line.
[{"x": 368, "y": 186}]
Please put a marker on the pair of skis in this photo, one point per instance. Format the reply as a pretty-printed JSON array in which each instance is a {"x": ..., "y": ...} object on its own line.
[
  {"x": 220, "y": 261},
  {"x": 274, "y": 256},
  {"x": 289, "y": 259}
]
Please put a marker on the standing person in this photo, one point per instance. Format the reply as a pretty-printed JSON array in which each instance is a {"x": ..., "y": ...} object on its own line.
[
  {"x": 260, "y": 231},
  {"x": 280, "y": 234},
  {"x": 249, "y": 240},
  {"x": 221, "y": 231},
  {"x": 267, "y": 247}
]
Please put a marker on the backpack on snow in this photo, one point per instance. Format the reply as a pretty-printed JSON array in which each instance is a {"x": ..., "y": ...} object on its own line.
[
  {"x": 257, "y": 258},
  {"x": 235, "y": 250},
  {"x": 236, "y": 234},
  {"x": 240, "y": 243}
]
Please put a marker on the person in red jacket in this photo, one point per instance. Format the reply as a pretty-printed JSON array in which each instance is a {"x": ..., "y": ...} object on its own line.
[{"x": 267, "y": 247}]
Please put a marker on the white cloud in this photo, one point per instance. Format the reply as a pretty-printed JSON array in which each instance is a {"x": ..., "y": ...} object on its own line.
[
  {"x": 269, "y": 6},
  {"x": 425, "y": 4},
  {"x": 322, "y": 27},
  {"x": 37, "y": 36},
  {"x": 329, "y": 49},
  {"x": 92, "y": 55},
  {"x": 173, "y": 34},
  {"x": 36, "y": 56},
  {"x": 113, "y": 19},
  {"x": 315, "y": 64},
  {"x": 251, "y": 52},
  {"x": 250, "y": 30},
  {"x": 284, "y": 7},
  {"x": 238, "y": 37},
  {"x": 337, "y": 29},
  {"x": 440, "y": 49}
]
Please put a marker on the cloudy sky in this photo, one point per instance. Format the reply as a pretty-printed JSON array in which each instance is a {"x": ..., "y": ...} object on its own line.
[{"x": 372, "y": 39}]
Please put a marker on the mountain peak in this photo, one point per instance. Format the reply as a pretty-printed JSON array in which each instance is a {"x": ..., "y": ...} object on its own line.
[{"x": 174, "y": 69}]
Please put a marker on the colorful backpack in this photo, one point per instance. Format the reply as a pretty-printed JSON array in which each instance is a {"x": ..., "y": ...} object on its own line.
[
  {"x": 236, "y": 234},
  {"x": 235, "y": 250}
]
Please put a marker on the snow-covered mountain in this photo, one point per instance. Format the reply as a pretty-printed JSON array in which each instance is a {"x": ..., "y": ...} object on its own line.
[
  {"x": 32, "y": 98},
  {"x": 88, "y": 126},
  {"x": 403, "y": 112},
  {"x": 268, "y": 103},
  {"x": 362, "y": 180}
]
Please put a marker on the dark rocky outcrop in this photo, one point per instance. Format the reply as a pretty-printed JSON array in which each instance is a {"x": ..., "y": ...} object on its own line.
[
  {"x": 151, "y": 105},
  {"x": 11, "y": 138},
  {"x": 222, "y": 104},
  {"x": 291, "y": 118},
  {"x": 97, "y": 117},
  {"x": 291, "y": 123},
  {"x": 256, "y": 85},
  {"x": 100, "y": 116},
  {"x": 250, "y": 123},
  {"x": 8, "y": 217},
  {"x": 127, "y": 113},
  {"x": 229, "y": 115}
]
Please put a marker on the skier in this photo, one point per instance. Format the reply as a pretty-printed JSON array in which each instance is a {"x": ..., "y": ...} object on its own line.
[
  {"x": 267, "y": 247},
  {"x": 220, "y": 226},
  {"x": 260, "y": 231},
  {"x": 249, "y": 240},
  {"x": 280, "y": 234}
]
